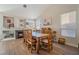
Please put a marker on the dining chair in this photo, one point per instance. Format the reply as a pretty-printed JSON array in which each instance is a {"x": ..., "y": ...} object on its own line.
[
  {"x": 47, "y": 41},
  {"x": 30, "y": 43}
]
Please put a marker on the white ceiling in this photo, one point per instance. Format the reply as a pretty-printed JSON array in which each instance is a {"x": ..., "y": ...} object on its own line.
[
  {"x": 6, "y": 7},
  {"x": 32, "y": 10}
]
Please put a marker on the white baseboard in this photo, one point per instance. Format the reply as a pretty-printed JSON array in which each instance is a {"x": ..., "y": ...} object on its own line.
[{"x": 72, "y": 45}]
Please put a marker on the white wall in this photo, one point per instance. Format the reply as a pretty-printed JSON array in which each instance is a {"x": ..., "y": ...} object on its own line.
[
  {"x": 78, "y": 24},
  {"x": 16, "y": 23},
  {"x": 1, "y": 26},
  {"x": 55, "y": 12}
]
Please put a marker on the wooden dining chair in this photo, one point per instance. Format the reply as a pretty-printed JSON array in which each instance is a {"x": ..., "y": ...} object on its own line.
[
  {"x": 47, "y": 41},
  {"x": 28, "y": 39}
]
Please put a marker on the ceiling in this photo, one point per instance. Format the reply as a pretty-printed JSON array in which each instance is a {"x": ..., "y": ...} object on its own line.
[{"x": 32, "y": 10}]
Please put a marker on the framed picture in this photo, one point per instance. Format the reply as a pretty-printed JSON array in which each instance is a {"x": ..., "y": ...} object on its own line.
[
  {"x": 47, "y": 21},
  {"x": 8, "y": 22}
]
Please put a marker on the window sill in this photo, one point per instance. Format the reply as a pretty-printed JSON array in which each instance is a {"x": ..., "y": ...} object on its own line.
[{"x": 69, "y": 37}]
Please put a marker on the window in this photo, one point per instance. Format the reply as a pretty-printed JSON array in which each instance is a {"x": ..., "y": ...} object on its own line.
[
  {"x": 68, "y": 24},
  {"x": 34, "y": 23},
  {"x": 38, "y": 24},
  {"x": 30, "y": 23}
]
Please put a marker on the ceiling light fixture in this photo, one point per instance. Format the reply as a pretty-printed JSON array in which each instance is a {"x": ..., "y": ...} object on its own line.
[{"x": 25, "y": 6}]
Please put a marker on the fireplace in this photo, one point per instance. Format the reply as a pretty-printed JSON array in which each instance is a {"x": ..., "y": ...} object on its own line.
[{"x": 19, "y": 34}]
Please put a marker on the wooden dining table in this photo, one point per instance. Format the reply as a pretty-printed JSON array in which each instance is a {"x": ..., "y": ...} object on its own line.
[{"x": 38, "y": 36}]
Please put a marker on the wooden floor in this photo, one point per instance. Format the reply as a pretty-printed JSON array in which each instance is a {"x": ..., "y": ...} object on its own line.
[{"x": 17, "y": 47}]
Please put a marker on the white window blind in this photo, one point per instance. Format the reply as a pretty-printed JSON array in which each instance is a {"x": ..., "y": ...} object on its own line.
[{"x": 68, "y": 24}]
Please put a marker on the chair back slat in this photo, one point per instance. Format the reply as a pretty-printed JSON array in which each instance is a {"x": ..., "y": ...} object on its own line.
[{"x": 29, "y": 35}]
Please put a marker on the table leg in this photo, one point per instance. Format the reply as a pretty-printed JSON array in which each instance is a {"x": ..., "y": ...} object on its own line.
[
  {"x": 24, "y": 40},
  {"x": 38, "y": 45}
]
